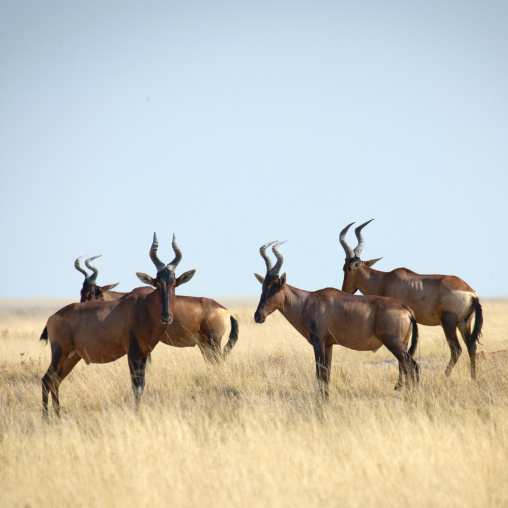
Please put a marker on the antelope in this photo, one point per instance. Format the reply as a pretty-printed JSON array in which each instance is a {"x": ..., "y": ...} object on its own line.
[
  {"x": 102, "y": 332},
  {"x": 90, "y": 290},
  {"x": 200, "y": 321},
  {"x": 436, "y": 300},
  {"x": 203, "y": 322},
  {"x": 328, "y": 316}
]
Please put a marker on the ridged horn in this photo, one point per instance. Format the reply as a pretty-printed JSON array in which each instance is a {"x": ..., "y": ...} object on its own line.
[
  {"x": 79, "y": 268},
  {"x": 153, "y": 254},
  {"x": 178, "y": 255},
  {"x": 93, "y": 278},
  {"x": 361, "y": 241},
  {"x": 342, "y": 237},
  {"x": 275, "y": 249},
  {"x": 264, "y": 255}
]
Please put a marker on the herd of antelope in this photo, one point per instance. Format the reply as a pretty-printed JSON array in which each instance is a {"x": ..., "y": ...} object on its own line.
[{"x": 107, "y": 325}]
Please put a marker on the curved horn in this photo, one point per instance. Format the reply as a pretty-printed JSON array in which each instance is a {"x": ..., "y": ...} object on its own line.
[
  {"x": 178, "y": 255},
  {"x": 342, "y": 237},
  {"x": 153, "y": 254},
  {"x": 79, "y": 268},
  {"x": 95, "y": 271},
  {"x": 361, "y": 241},
  {"x": 275, "y": 249},
  {"x": 264, "y": 255}
]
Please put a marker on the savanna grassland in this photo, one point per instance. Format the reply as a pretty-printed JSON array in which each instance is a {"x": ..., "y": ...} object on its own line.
[{"x": 253, "y": 432}]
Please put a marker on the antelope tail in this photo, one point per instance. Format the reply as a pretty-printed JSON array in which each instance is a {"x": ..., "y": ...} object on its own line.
[
  {"x": 414, "y": 337},
  {"x": 44, "y": 335},
  {"x": 233, "y": 337},
  {"x": 478, "y": 323}
]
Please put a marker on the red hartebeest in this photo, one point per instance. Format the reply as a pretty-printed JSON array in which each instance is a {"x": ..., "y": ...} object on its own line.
[
  {"x": 90, "y": 290},
  {"x": 442, "y": 300},
  {"x": 328, "y": 316},
  {"x": 102, "y": 332},
  {"x": 200, "y": 321},
  {"x": 203, "y": 322}
]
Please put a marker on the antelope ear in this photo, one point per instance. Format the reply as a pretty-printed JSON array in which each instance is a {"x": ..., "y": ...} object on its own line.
[
  {"x": 146, "y": 279},
  {"x": 259, "y": 278},
  {"x": 282, "y": 281},
  {"x": 104, "y": 289},
  {"x": 371, "y": 262},
  {"x": 185, "y": 277}
]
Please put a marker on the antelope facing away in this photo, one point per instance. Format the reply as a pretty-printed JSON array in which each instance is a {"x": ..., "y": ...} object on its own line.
[
  {"x": 203, "y": 322},
  {"x": 200, "y": 321},
  {"x": 328, "y": 316},
  {"x": 436, "y": 300},
  {"x": 90, "y": 290},
  {"x": 102, "y": 332}
]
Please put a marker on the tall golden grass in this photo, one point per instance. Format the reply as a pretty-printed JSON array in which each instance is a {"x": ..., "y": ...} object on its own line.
[{"x": 253, "y": 432}]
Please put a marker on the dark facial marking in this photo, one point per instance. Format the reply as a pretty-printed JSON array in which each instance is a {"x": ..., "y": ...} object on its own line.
[
  {"x": 166, "y": 281},
  {"x": 271, "y": 286}
]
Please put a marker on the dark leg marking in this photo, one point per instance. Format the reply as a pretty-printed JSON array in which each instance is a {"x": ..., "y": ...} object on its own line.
[
  {"x": 63, "y": 372},
  {"x": 320, "y": 357},
  {"x": 398, "y": 385},
  {"x": 137, "y": 367},
  {"x": 408, "y": 367}
]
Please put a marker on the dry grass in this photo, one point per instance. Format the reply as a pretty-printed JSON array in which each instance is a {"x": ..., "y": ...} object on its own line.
[{"x": 253, "y": 433}]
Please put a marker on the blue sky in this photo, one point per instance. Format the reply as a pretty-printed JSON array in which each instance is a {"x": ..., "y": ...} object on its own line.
[{"x": 235, "y": 123}]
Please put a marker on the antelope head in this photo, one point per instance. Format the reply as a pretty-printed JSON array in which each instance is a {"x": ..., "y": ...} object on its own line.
[
  {"x": 166, "y": 281},
  {"x": 272, "y": 295},
  {"x": 90, "y": 290},
  {"x": 353, "y": 261}
]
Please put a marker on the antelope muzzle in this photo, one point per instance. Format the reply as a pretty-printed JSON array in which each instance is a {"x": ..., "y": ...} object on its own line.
[
  {"x": 166, "y": 320},
  {"x": 260, "y": 314}
]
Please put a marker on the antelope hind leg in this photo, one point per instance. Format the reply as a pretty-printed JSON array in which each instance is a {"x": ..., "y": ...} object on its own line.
[{"x": 449, "y": 322}]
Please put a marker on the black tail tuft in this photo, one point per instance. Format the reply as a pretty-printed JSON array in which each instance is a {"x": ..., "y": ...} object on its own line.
[
  {"x": 414, "y": 338},
  {"x": 478, "y": 324},
  {"x": 233, "y": 337},
  {"x": 44, "y": 335}
]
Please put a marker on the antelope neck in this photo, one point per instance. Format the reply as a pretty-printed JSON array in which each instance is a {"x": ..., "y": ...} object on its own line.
[
  {"x": 369, "y": 280},
  {"x": 294, "y": 302}
]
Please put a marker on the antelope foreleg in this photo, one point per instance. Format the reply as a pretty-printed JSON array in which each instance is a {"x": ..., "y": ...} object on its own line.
[
  {"x": 137, "y": 366},
  {"x": 322, "y": 373}
]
